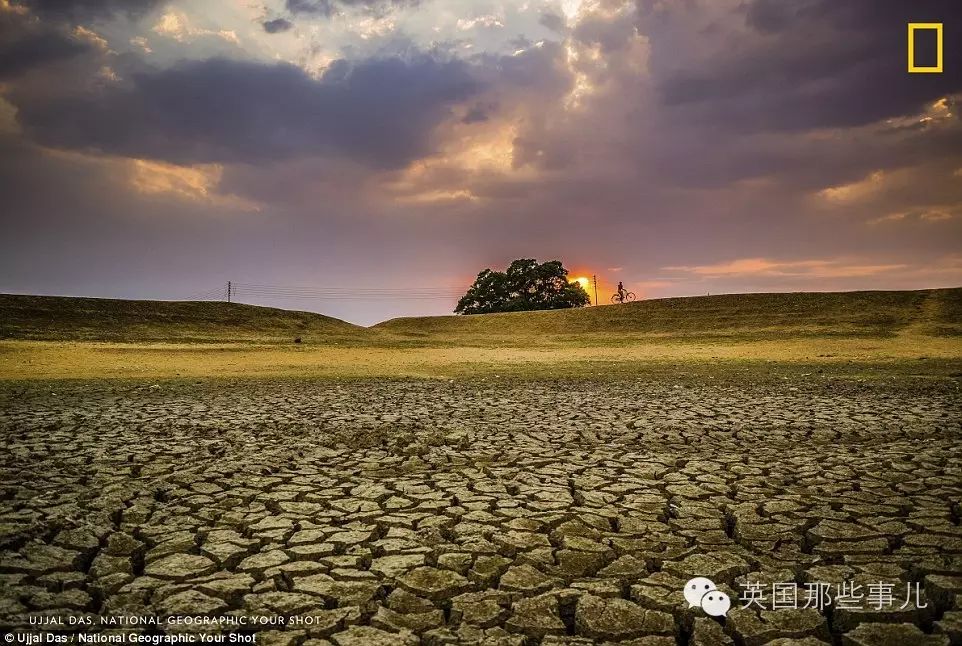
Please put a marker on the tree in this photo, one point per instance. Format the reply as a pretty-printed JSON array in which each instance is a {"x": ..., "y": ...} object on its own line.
[{"x": 525, "y": 286}]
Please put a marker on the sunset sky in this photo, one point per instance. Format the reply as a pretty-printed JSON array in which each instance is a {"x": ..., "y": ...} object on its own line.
[{"x": 382, "y": 152}]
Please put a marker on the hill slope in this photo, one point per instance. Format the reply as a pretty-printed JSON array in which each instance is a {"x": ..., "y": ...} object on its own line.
[
  {"x": 876, "y": 313},
  {"x": 733, "y": 316},
  {"x": 101, "y": 319}
]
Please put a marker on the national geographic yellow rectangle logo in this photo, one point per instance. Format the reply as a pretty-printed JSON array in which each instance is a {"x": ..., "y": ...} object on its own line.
[{"x": 930, "y": 69}]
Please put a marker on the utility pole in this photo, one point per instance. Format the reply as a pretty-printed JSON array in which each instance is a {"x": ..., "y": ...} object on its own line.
[
  {"x": 594, "y": 277},
  {"x": 228, "y": 291}
]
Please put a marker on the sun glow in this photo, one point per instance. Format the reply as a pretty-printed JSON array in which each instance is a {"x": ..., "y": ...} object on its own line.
[{"x": 583, "y": 281}]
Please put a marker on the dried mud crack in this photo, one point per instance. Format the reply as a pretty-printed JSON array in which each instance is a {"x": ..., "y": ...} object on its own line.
[{"x": 431, "y": 512}]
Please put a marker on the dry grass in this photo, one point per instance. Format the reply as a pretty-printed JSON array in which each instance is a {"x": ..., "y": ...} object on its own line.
[
  {"x": 856, "y": 333},
  {"x": 717, "y": 318},
  {"x": 54, "y": 360},
  {"x": 102, "y": 319}
]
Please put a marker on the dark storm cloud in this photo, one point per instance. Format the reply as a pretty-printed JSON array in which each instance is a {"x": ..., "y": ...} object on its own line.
[
  {"x": 552, "y": 21},
  {"x": 538, "y": 71},
  {"x": 83, "y": 10},
  {"x": 478, "y": 113},
  {"x": 25, "y": 44},
  {"x": 277, "y": 25},
  {"x": 772, "y": 65},
  {"x": 607, "y": 33},
  {"x": 331, "y": 7},
  {"x": 770, "y": 15},
  {"x": 380, "y": 111}
]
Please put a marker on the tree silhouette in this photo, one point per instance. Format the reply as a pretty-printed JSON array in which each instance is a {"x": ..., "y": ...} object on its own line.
[{"x": 525, "y": 286}]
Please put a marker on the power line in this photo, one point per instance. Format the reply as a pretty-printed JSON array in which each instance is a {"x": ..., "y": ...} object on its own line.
[
  {"x": 239, "y": 293},
  {"x": 236, "y": 290},
  {"x": 348, "y": 290},
  {"x": 347, "y": 293}
]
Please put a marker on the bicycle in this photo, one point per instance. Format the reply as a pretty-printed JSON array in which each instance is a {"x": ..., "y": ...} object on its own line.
[{"x": 622, "y": 297}]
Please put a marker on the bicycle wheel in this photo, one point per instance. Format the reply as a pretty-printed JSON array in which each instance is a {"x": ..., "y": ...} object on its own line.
[
  {"x": 630, "y": 296},
  {"x": 615, "y": 299}
]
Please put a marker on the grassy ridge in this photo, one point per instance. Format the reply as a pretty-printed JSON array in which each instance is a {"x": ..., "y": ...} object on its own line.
[
  {"x": 860, "y": 314},
  {"x": 59, "y": 318},
  {"x": 857, "y": 334},
  {"x": 878, "y": 314}
]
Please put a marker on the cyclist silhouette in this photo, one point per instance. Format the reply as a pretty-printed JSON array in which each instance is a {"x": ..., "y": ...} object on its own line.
[{"x": 622, "y": 295}]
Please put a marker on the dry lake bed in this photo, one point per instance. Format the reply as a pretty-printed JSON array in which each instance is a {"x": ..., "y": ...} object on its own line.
[{"x": 495, "y": 512}]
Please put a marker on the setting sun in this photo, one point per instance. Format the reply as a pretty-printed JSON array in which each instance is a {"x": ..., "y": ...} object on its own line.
[{"x": 583, "y": 281}]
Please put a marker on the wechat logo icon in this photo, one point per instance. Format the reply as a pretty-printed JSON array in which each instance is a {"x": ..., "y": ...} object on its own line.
[{"x": 703, "y": 593}]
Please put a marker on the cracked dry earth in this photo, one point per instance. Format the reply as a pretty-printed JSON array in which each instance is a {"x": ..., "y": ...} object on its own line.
[{"x": 430, "y": 512}]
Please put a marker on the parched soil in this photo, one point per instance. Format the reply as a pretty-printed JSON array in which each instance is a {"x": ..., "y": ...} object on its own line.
[{"x": 382, "y": 512}]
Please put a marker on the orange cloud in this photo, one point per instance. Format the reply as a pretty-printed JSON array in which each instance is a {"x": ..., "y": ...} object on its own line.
[
  {"x": 176, "y": 25},
  {"x": 193, "y": 183},
  {"x": 450, "y": 175},
  {"x": 797, "y": 268},
  {"x": 856, "y": 190},
  {"x": 6, "y": 7},
  {"x": 8, "y": 117},
  {"x": 935, "y": 214},
  {"x": 198, "y": 183}
]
